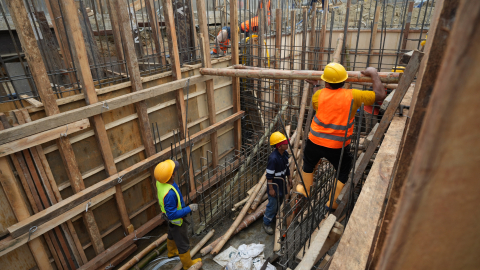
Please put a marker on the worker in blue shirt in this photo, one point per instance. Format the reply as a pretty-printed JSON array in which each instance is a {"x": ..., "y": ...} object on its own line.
[
  {"x": 173, "y": 207},
  {"x": 277, "y": 167}
]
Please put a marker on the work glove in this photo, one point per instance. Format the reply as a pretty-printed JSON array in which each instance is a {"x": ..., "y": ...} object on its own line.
[{"x": 193, "y": 207}]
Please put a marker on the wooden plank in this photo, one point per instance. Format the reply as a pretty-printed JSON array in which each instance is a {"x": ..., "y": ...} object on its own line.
[
  {"x": 369, "y": 138},
  {"x": 116, "y": 34},
  {"x": 317, "y": 244},
  {"x": 35, "y": 103},
  {"x": 278, "y": 51},
  {"x": 156, "y": 33},
  {"x": 322, "y": 35},
  {"x": 177, "y": 75},
  {"x": 33, "y": 55},
  {"x": 235, "y": 81},
  {"x": 265, "y": 73},
  {"x": 14, "y": 196},
  {"x": 407, "y": 26},
  {"x": 62, "y": 119},
  {"x": 205, "y": 51},
  {"x": 354, "y": 248},
  {"x": 434, "y": 52},
  {"x": 444, "y": 162},
  {"x": 43, "y": 137},
  {"x": 332, "y": 239},
  {"x": 79, "y": 54},
  {"x": 122, "y": 244},
  {"x": 94, "y": 190},
  {"x": 374, "y": 31},
  {"x": 403, "y": 85}
]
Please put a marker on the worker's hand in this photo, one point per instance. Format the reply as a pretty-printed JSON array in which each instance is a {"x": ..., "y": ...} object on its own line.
[
  {"x": 370, "y": 71},
  {"x": 271, "y": 192},
  {"x": 193, "y": 207},
  {"x": 312, "y": 82}
]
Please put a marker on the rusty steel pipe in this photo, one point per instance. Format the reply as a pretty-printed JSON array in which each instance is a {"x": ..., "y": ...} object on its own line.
[{"x": 265, "y": 73}]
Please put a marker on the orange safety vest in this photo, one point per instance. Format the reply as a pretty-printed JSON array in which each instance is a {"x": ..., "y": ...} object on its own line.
[
  {"x": 222, "y": 46},
  {"x": 330, "y": 122},
  {"x": 254, "y": 21}
]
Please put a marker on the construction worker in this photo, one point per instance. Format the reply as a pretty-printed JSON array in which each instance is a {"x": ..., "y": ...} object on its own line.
[
  {"x": 327, "y": 131},
  {"x": 222, "y": 40},
  {"x": 173, "y": 209},
  {"x": 251, "y": 25},
  {"x": 277, "y": 167}
]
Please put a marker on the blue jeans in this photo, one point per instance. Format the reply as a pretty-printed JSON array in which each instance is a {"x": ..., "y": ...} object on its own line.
[{"x": 271, "y": 211}]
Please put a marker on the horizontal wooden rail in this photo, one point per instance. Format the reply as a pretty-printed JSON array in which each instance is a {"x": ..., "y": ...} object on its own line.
[
  {"x": 68, "y": 117},
  {"x": 21, "y": 229},
  {"x": 265, "y": 73},
  {"x": 43, "y": 137}
]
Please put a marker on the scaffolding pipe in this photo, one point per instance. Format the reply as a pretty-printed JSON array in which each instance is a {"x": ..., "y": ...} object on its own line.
[{"x": 265, "y": 73}]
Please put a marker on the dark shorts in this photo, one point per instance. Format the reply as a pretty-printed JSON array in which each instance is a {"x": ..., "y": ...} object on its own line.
[
  {"x": 313, "y": 154},
  {"x": 179, "y": 234}
]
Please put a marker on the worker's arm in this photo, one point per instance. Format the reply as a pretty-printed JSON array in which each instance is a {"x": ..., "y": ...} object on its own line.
[
  {"x": 170, "y": 205},
  {"x": 377, "y": 85}
]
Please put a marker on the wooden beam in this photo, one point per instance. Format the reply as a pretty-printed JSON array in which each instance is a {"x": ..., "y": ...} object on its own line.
[
  {"x": 43, "y": 137},
  {"x": 403, "y": 85},
  {"x": 443, "y": 168},
  {"x": 322, "y": 35},
  {"x": 156, "y": 33},
  {"x": 407, "y": 26},
  {"x": 235, "y": 81},
  {"x": 19, "y": 207},
  {"x": 116, "y": 34},
  {"x": 207, "y": 62},
  {"x": 55, "y": 211},
  {"x": 177, "y": 75},
  {"x": 65, "y": 118},
  {"x": 435, "y": 48},
  {"x": 39, "y": 73},
  {"x": 374, "y": 31},
  {"x": 316, "y": 244},
  {"x": 333, "y": 237},
  {"x": 338, "y": 49},
  {"x": 118, "y": 247},
  {"x": 278, "y": 52},
  {"x": 312, "y": 40},
  {"x": 265, "y": 73},
  {"x": 35, "y": 103},
  {"x": 357, "y": 241},
  {"x": 86, "y": 81}
]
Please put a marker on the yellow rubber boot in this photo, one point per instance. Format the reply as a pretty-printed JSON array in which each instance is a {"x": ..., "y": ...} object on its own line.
[
  {"x": 308, "y": 180},
  {"x": 187, "y": 261},
  {"x": 172, "y": 248},
  {"x": 337, "y": 192}
]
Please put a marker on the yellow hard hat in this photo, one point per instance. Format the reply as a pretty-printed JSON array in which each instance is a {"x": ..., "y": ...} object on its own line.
[
  {"x": 424, "y": 41},
  {"x": 164, "y": 170},
  {"x": 334, "y": 73},
  {"x": 277, "y": 137},
  {"x": 398, "y": 69}
]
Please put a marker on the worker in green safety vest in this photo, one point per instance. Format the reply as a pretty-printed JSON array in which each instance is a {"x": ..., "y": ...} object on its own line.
[{"x": 173, "y": 208}]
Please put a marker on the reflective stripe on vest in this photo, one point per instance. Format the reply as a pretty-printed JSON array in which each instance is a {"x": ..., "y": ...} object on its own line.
[
  {"x": 162, "y": 191},
  {"x": 329, "y": 124}
]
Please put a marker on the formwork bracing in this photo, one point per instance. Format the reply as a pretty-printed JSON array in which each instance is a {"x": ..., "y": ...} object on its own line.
[{"x": 94, "y": 94}]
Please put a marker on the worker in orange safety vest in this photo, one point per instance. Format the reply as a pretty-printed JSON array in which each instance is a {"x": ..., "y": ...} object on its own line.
[
  {"x": 251, "y": 25},
  {"x": 222, "y": 40},
  {"x": 327, "y": 131}
]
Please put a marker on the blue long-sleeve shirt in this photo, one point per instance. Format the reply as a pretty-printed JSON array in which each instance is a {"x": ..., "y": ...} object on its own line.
[
  {"x": 278, "y": 167},
  {"x": 170, "y": 204}
]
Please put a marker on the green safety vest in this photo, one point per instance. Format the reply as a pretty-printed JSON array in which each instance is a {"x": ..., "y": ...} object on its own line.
[{"x": 162, "y": 191}]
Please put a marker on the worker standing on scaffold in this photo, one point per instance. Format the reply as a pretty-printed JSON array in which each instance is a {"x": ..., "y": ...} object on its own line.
[
  {"x": 277, "y": 167},
  {"x": 332, "y": 105},
  {"x": 173, "y": 209}
]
